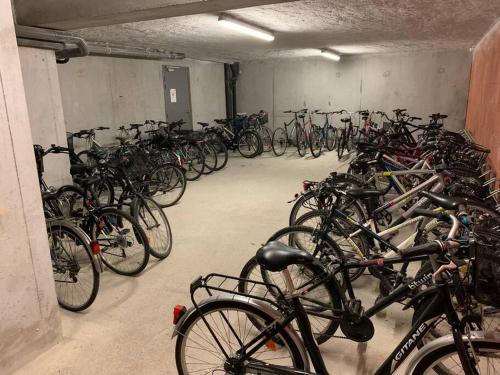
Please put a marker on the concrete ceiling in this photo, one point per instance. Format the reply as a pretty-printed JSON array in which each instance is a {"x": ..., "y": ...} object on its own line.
[{"x": 301, "y": 27}]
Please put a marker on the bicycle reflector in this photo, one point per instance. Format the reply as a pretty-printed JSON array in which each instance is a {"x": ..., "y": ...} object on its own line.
[
  {"x": 179, "y": 311},
  {"x": 94, "y": 246},
  {"x": 306, "y": 185}
]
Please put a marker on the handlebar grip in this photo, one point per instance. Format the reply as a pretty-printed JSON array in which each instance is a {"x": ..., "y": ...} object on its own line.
[{"x": 425, "y": 249}]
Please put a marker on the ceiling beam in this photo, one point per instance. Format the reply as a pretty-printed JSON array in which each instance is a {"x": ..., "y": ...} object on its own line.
[{"x": 78, "y": 14}]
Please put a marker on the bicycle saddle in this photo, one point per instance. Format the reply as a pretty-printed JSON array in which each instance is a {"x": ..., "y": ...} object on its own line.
[
  {"x": 346, "y": 119},
  {"x": 49, "y": 195},
  {"x": 275, "y": 256},
  {"x": 87, "y": 181},
  {"x": 364, "y": 193},
  {"x": 443, "y": 201},
  {"x": 203, "y": 124}
]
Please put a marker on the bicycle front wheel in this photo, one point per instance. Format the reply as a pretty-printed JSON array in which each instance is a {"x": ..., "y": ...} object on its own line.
[
  {"x": 167, "y": 184},
  {"x": 194, "y": 162},
  {"x": 280, "y": 141},
  {"x": 124, "y": 245},
  {"x": 445, "y": 360},
  {"x": 331, "y": 138},
  {"x": 155, "y": 224},
  {"x": 301, "y": 139},
  {"x": 315, "y": 141},
  {"x": 233, "y": 324},
  {"x": 75, "y": 273},
  {"x": 210, "y": 158},
  {"x": 341, "y": 144},
  {"x": 249, "y": 144}
]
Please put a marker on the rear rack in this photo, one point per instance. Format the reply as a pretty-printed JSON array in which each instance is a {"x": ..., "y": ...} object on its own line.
[{"x": 259, "y": 290}]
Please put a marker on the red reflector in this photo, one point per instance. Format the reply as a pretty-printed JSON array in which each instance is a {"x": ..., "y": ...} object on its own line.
[
  {"x": 179, "y": 311},
  {"x": 94, "y": 246},
  {"x": 306, "y": 185}
]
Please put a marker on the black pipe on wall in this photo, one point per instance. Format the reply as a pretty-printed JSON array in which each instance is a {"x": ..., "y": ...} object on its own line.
[{"x": 231, "y": 72}]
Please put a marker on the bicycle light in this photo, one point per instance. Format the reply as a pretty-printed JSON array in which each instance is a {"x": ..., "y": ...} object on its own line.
[
  {"x": 179, "y": 311},
  {"x": 94, "y": 246}
]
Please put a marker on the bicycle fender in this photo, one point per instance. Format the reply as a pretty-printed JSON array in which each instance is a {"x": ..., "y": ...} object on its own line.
[
  {"x": 265, "y": 307},
  {"x": 489, "y": 336}
]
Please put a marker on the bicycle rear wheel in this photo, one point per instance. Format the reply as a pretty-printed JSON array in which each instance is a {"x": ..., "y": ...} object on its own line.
[
  {"x": 124, "y": 245},
  {"x": 75, "y": 273},
  {"x": 232, "y": 323}
]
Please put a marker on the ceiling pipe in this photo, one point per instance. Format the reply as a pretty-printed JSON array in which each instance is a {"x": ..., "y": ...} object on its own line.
[
  {"x": 68, "y": 46},
  {"x": 47, "y": 35}
]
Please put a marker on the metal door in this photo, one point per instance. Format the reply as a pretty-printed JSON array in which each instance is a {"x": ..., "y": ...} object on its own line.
[{"x": 177, "y": 95}]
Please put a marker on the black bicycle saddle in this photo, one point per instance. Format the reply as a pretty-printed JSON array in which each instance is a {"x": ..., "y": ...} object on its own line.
[{"x": 275, "y": 256}]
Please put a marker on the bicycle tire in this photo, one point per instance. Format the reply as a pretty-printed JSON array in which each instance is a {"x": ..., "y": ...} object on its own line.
[
  {"x": 279, "y": 141},
  {"x": 252, "y": 270},
  {"x": 341, "y": 145},
  {"x": 301, "y": 139},
  {"x": 194, "y": 164},
  {"x": 266, "y": 137},
  {"x": 150, "y": 224},
  {"x": 137, "y": 232},
  {"x": 315, "y": 141},
  {"x": 431, "y": 361},
  {"x": 309, "y": 219},
  {"x": 330, "y": 138},
  {"x": 249, "y": 144},
  {"x": 222, "y": 154},
  {"x": 167, "y": 184},
  {"x": 85, "y": 253},
  {"x": 216, "y": 306},
  {"x": 210, "y": 158}
]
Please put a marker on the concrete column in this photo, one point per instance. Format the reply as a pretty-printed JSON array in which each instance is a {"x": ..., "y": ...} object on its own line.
[
  {"x": 43, "y": 97},
  {"x": 29, "y": 316}
]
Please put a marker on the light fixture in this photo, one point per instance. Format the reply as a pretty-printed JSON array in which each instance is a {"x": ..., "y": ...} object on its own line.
[
  {"x": 244, "y": 28},
  {"x": 330, "y": 55}
]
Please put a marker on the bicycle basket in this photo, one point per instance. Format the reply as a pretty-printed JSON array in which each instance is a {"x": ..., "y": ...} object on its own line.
[
  {"x": 135, "y": 162},
  {"x": 486, "y": 271},
  {"x": 263, "y": 117}
]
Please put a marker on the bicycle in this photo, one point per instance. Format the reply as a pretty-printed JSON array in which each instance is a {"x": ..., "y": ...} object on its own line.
[
  {"x": 346, "y": 136},
  {"x": 281, "y": 139},
  {"x": 316, "y": 139},
  {"x": 250, "y": 333},
  {"x": 236, "y": 137},
  {"x": 329, "y": 132}
]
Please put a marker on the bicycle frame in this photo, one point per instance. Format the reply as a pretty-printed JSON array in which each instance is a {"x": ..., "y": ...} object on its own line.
[{"x": 439, "y": 303}]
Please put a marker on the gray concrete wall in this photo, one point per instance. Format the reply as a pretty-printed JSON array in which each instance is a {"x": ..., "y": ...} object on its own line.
[
  {"x": 422, "y": 82},
  {"x": 29, "y": 315},
  {"x": 43, "y": 97},
  {"x": 102, "y": 91}
]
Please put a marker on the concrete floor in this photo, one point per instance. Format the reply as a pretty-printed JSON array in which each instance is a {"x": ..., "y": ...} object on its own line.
[{"x": 218, "y": 225}]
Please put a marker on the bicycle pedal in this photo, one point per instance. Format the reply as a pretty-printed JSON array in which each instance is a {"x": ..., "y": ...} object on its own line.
[{"x": 355, "y": 308}]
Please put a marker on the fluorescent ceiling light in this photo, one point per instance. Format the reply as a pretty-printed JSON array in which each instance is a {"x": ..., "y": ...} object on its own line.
[
  {"x": 330, "y": 55},
  {"x": 245, "y": 28}
]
